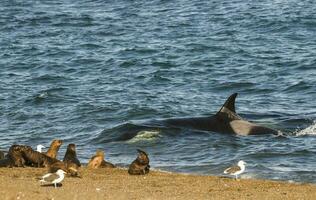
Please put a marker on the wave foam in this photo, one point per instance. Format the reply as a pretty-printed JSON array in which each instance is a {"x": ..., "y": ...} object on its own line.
[
  {"x": 145, "y": 136},
  {"x": 311, "y": 130}
]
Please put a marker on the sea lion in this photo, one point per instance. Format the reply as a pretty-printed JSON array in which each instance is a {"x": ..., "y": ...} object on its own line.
[
  {"x": 53, "y": 149},
  {"x": 6, "y": 162},
  {"x": 71, "y": 161},
  {"x": 34, "y": 158},
  {"x": 140, "y": 165},
  {"x": 71, "y": 155},
  {"x": 54, "y": 167},
  {"x": 1, "y": 155},
  {"x": 97, "y": 161},
  {"x": 15, "y": 155},
  {"x": 106, "y": 164}
]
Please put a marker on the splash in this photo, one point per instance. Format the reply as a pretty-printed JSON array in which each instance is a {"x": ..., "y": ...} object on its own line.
[
  {"x": 145, "y": 136},
  {"x": 43, "y": 95},
  {"x": 311, "y": 130}
]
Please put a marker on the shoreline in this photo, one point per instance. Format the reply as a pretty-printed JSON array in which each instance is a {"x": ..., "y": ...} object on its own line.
[{"x": 105, "y": 183}]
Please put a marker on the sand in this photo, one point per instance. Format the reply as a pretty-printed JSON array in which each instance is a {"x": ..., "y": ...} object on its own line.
[{"x": 21, "y": 183}]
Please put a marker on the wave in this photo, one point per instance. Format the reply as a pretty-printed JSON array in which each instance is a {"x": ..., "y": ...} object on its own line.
[
  {"x": 122, "y": 132},
  {"x": 147, "y": 136},
  {"x": 134, "y": 132},
  {"x": 311, "y": 130}
]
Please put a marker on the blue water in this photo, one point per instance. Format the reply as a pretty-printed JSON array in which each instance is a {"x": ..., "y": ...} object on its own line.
[{"x": 91, "y": 72}]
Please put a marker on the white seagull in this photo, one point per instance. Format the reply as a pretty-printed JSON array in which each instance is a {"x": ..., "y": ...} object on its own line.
[
  {"x": 39, "y": 148},
  {"x": 53, "y": 178},
  {"x": 236, "y": 169}
]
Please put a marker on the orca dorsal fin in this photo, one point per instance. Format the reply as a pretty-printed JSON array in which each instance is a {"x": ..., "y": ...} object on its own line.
[
  {"x": 229, "y": 103},
  {"x": 228, "y": 109}
]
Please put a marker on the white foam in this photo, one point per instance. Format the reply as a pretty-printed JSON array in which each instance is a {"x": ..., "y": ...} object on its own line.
[
  {"x": 282, "y": 169},
  {"x": 248, "y": 176},
  {"x": 43, "y": 95},
  {"x": 145, "y": 136},
  {"x": 311, "y": 130}
]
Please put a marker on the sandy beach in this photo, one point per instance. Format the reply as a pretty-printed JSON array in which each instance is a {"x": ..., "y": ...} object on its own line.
[{"x": 22, "y": 183}]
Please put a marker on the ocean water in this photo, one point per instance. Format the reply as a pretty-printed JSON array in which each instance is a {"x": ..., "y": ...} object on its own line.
[{"x": 96, "y": 73}]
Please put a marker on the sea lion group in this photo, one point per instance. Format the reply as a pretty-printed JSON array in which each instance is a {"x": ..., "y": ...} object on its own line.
[{"x": 23, "y": 155}]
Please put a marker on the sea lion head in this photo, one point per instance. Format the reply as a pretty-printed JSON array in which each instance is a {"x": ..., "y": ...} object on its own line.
[
  {"x": 100, "y": 153},
  {"x": 57, "y": 143},
  {"x": 53, "y": 149},
  {"x": 142, "y": 157},
  {"x": 71, "y": 151},
  {"x": 71, "y": 147}
]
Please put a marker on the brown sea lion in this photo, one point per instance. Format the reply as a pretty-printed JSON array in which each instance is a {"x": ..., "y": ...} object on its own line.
[
  {"x": 140, "y": 165},
  {"x": 54, "y": 167},
  {"x": 37, "y": 159},
  {"x": 15, "y": 155},
  {"x": 105, "y": 164},
  {"x": 1, "y": 155},
  {"x": 71, "y": 161},
  {"x": 97, "y": 161},
  {"x": 71, "y": 155},
  {"x": 53, "y": 149}
]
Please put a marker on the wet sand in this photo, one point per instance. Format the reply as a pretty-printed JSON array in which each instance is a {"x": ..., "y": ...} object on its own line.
[{"x": 21, "y": 183}]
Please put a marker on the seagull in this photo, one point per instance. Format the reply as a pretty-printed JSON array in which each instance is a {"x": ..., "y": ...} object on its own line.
[
  {"x": 53, "y": 178},
  {"x": 236, "y": 169},
  {"x": 39, "y": 148}
]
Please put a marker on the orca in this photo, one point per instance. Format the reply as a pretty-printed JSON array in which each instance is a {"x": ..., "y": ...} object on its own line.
[{"x": 226, "y": 120}]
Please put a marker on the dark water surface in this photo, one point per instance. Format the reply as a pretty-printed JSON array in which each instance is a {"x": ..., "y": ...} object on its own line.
[{"x": 91, "y": 72}]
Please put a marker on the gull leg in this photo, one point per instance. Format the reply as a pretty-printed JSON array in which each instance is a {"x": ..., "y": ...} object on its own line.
[{"x": 55, "y": 185}]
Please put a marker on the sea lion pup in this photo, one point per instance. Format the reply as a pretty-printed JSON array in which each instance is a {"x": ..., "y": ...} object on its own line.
[
  {"x": 71, "y": 161},
  {"x": 53, "y": 149},
  {"x": 140, "y": 165},
  {"x": 15, "y": 155},
  {"x": 97, "y": 161},
  {"x": 37, "y": 159}
]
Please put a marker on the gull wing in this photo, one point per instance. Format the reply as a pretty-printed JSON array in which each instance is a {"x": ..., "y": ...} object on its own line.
[{"x": 232, "y": 169}]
